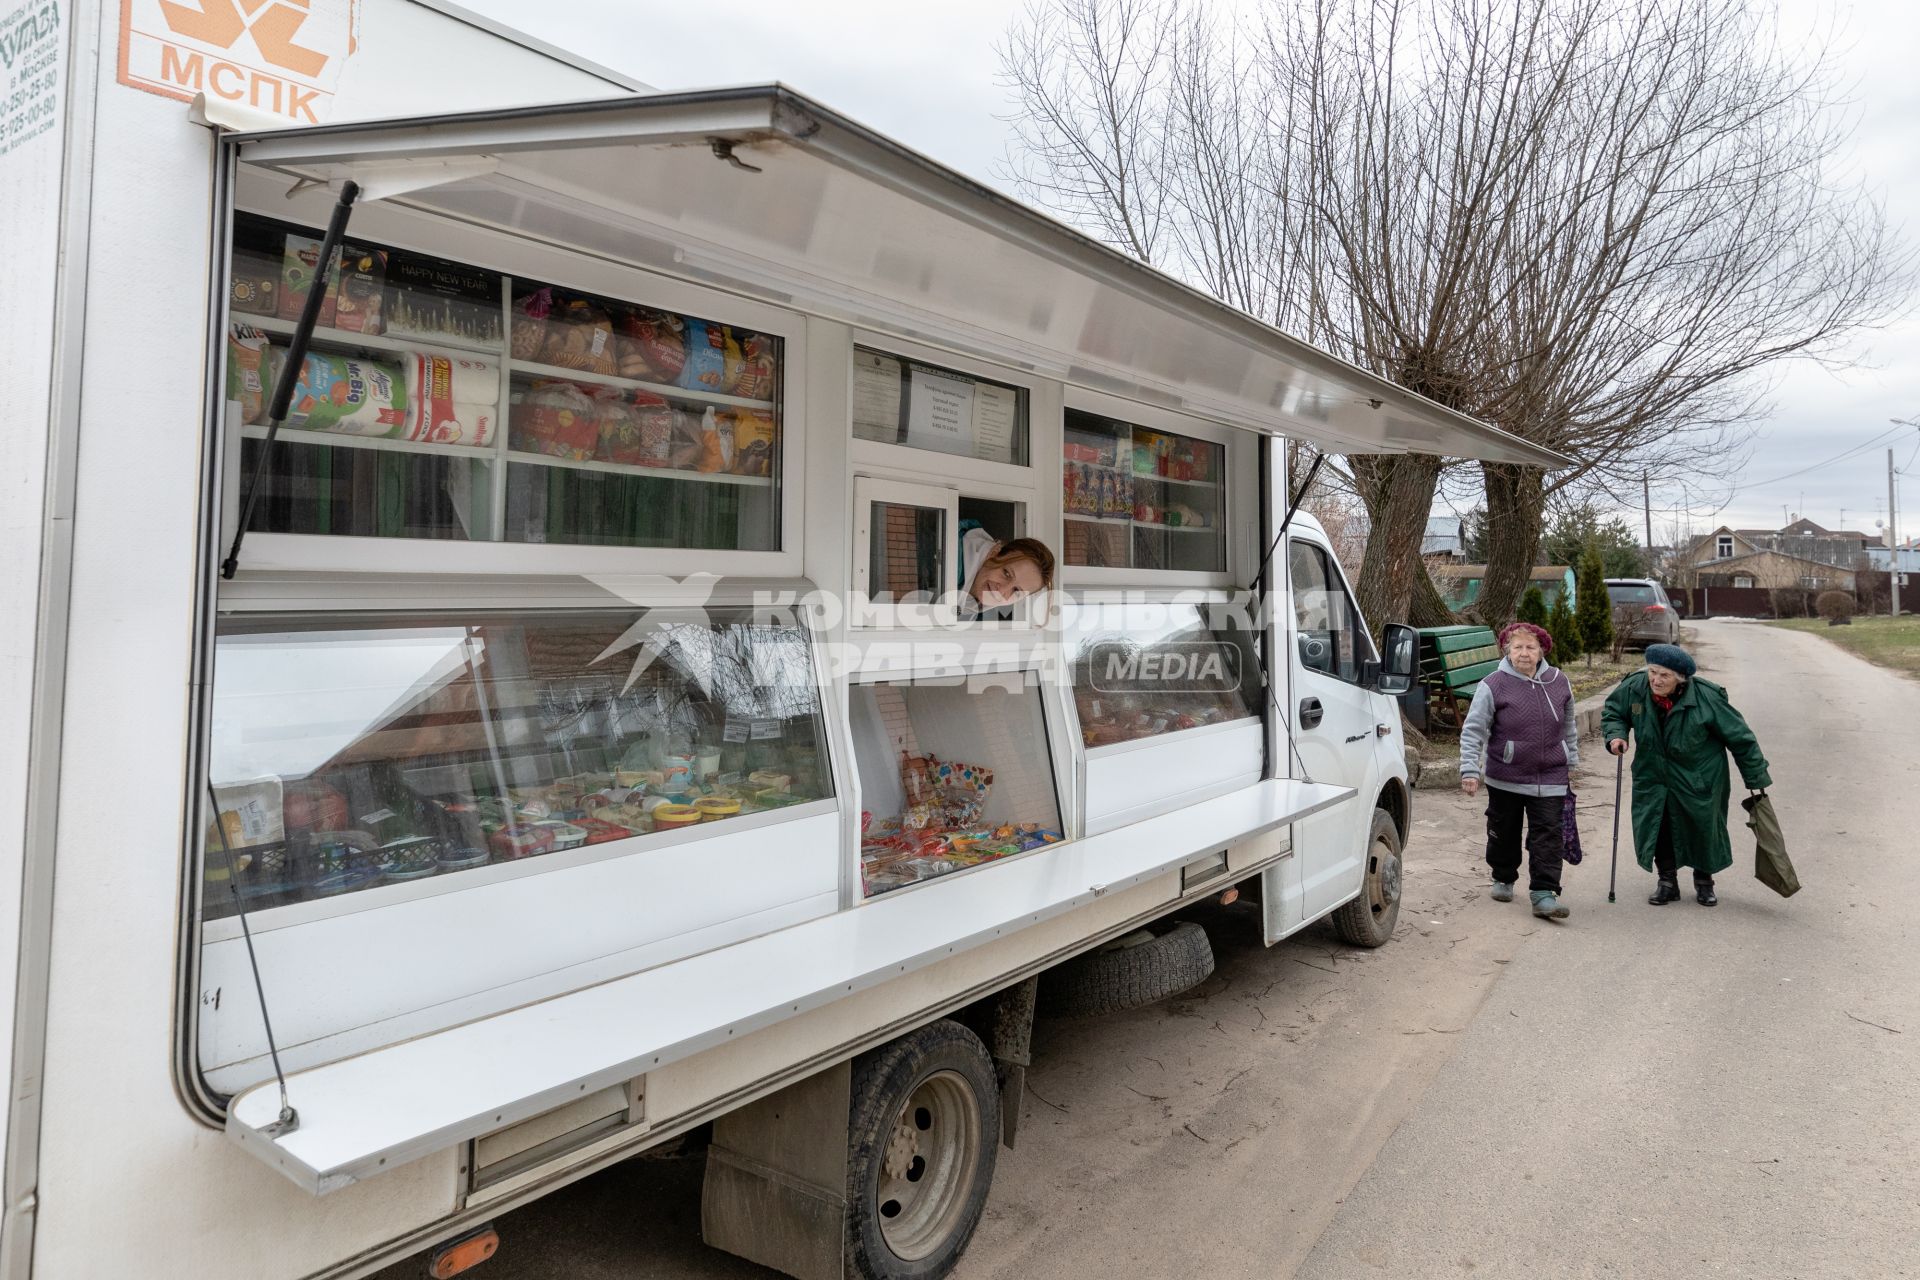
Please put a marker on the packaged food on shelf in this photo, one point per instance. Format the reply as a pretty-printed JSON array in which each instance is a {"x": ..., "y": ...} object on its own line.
[
  {"x": 754, "y": 437},
  {"x": 1116, "y": 493},
  {"x": 716, "y": 442},
  {"x": 453, "y": 400},
  {"x": 433, "y": 298},
  {"x": 360, "y": 289},
  {"x": 529, "y": 334},
  {"x": 714, "y": 361},
  {"x": 462, "y": 858},
  {"x": 636, "y": 429},
  {"x": 670, "y": 817},
  {"x": 761, "y": 367},
  {"x": 600, "y": 831},
  {"x": 299, "y": 268},
  {"x": 346, "y": 395},
  {"x": 651, "y": 346},
  {"x": 554, "y": 418},
  {"x": 259, "y": 251},
  {"x": 511, "y": 843},
  {"x": 579, "y": 336},
  {"x": 248, "y": 362},
  {"x": 717, "y": 808},
  {"x": 251, "y": 813}
]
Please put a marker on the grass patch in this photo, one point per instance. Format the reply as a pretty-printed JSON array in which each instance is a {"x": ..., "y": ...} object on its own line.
[
  {"x": 1885, "y": 642},
  {"x": 1602, "y": 674}
]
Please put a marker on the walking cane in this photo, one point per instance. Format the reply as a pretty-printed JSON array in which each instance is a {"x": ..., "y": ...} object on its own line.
[{"x": 1619, "y": 770}]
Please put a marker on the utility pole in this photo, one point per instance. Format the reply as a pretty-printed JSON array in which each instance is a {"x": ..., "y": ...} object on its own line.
[
  {"x": 1646, "y": 504},
  {"x": 1893, "y": 539}
]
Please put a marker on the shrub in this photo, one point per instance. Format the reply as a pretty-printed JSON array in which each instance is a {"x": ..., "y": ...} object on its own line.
[
  {"x": 1835, "y": 606},
  {"x": 1788, "y": 602},
  {"x": 1533, "y": 607},
  {"x": 1592, "y": 610},
  {"x": 1566, "y": 636}
]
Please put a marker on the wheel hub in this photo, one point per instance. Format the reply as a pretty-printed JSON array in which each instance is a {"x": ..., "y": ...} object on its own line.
[{"x": 928, "y": 1169}]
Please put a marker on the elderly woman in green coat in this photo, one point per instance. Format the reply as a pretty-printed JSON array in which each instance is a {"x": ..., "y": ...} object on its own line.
[{"x": 1685, "y": 728}]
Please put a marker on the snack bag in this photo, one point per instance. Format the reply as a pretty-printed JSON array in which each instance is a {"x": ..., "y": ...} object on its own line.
[
  {"x": 714, "y": 362},
  {"x": 557, "y": 419},
  {"x": 716, "y": 442},
  {"x": 761, "y": 368},
  {"x": 754, "y": 437},
  {"x": 259, "y": 254},
  {"x": 683, "y": 453},
  {"x": 348, "y": 396},
  {"x": 630, "y": 435},
  {"x": 360, "y": 290},
  {"x": 651, "y": 346},
  {"x": 530, "y": 312},
  {"x": 247, "y": 370},
  {"x": 299, "y": 267},
  {"x": 580, "y": 336}
]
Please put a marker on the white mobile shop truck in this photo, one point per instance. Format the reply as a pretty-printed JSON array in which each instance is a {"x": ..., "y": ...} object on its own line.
[{"x": 469, "y": 823}]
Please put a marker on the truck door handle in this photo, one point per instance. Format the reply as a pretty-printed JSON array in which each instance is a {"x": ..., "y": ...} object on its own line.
[{"x": 1310, "y": 713}]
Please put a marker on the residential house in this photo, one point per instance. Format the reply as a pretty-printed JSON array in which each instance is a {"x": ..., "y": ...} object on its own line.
[
  {"x": 1445, "y": 539},
  {"x": 1802, "y": 555},
  {"x": 1459, "y": 584}
]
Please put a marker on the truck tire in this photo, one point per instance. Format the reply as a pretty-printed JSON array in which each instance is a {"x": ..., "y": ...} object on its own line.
[
  {"x": 923, "y": 1136},
  {"x": 1130, "y": 972},
  {"x": 1369, "y": 919}
]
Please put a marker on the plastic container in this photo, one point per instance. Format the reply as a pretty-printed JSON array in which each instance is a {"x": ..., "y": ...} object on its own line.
[
  {"x": 669, "y": 816},
  {"x": 715, "y": 808}
]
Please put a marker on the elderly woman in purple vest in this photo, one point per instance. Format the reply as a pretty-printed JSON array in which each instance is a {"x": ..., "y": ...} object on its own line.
[{"x": 1521, "y": 739}]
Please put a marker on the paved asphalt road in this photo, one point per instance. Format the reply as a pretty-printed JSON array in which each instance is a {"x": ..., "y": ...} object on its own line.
[
  {"x": 1636, "y": 1092},
  {"x": 1678, "y": 1091}
]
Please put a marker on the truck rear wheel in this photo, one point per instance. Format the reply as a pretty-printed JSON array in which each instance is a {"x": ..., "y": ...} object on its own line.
[
  {"x": 922, "y": 1143},
  {"x": 1130, "y": 972},
  {"x": 1369, "y": 919}
]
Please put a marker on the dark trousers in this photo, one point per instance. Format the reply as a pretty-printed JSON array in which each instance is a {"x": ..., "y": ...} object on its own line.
[
  {"x": 1667, "y": 866},
  {"x": 1505, "y": 811}
]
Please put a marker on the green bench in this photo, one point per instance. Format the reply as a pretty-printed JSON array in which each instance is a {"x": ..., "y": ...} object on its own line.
[{"x": 1453, "y": 662}]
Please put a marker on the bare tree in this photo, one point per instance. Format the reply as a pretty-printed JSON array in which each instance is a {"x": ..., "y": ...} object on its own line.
[{"x": 1588, "y": 223}]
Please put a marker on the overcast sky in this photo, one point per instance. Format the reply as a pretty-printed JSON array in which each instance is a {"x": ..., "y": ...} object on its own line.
[{"x": 926, "y": 74}]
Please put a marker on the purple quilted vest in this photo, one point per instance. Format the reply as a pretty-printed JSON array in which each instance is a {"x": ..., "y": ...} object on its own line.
[{"x": 1528, "y": 719}]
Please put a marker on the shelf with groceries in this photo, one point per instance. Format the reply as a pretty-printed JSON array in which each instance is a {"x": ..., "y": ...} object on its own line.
[
  {"x": 422, "y": 367},
  {"x": 1116, "y": 475}
]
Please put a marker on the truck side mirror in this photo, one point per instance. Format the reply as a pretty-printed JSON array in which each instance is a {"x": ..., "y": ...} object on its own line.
[{"x": 1398, "y": 648}]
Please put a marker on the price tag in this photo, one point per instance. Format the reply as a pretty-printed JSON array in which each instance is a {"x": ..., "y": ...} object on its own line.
[
  {"x": 765, "y": 729},
  {"x": 736, "y": 731}
]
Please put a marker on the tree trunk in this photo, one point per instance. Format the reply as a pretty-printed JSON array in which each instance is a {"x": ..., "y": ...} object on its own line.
[
  {"x": 1427, "y": 609},
  {"x": 1398, "y": 491},
  {"x": 1516, "y": 505}
]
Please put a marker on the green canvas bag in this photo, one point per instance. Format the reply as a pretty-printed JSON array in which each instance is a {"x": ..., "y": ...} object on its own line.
[{"x": 1771, "y": 866}]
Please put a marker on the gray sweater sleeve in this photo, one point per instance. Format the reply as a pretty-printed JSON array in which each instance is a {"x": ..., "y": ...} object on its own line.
[
  {"x": 1570, "y": 730},
  {"x": 1475, "y": 730}
]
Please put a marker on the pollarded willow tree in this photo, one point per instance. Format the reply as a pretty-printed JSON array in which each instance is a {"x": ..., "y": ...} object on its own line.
[{"x": 1596, "y": 225}]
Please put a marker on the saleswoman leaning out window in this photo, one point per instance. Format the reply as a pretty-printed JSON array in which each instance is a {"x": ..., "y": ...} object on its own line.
[{"x": 996, "y": 574}]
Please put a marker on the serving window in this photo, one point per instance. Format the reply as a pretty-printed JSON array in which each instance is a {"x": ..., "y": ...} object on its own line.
[
  {"x": 1137, "y": 498},
  {"x": 953, "y": 774},
  {"x": 352, "y": 754},
  {"x": 1142, "y": 669},
  {"x": 445, "y": 401}
]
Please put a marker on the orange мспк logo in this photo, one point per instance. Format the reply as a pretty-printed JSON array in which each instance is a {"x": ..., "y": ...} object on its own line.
[
  {"x": 279, "y": 56},
  {"x": 272, "y": 22}
]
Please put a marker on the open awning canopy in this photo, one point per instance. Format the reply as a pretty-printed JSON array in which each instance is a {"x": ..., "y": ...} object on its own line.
[{"x": 766, "y": 193}]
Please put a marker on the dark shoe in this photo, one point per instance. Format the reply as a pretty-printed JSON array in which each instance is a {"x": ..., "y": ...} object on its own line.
[
  {"x": 1666, "y": 891},
  {"x": 1703, "y": 894}
]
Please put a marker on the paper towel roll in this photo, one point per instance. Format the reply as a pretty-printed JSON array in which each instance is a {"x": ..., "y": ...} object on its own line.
[
  {"x": 452, "y": 379},
  {"x": 436, "y": 422}
]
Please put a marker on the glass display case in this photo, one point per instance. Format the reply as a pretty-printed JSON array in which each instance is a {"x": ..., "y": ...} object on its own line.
[
  {"x": 442, "y": 400},
  {"x": 1141, "y": 499},
  {"x": 1141, "y": 669},
  {"x": 351, "y": 753},
  {"x": 953, "y": 774}
]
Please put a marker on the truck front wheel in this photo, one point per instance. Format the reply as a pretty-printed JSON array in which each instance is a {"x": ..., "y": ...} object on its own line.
[
  {"x": 921, "y": 1151},
  {"x": 1369, "y": 919}
]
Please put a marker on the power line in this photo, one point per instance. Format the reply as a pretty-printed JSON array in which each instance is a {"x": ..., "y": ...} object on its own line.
[{"x": 1840, "y": 457}]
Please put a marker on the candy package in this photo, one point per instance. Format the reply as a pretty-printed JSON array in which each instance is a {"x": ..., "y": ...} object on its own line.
[{"x": 714, "y": 362}]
